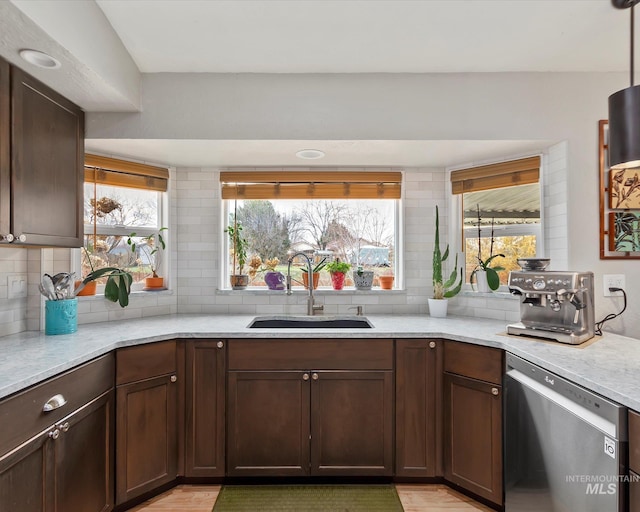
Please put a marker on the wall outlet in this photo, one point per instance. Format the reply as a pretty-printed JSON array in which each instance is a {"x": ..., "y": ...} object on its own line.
[
  {"x": 612, "y": 281},
  {"x": 16, "y": 286}
]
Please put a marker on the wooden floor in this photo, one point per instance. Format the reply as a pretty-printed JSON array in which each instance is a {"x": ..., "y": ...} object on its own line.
[{"x": 415, "y": 498}]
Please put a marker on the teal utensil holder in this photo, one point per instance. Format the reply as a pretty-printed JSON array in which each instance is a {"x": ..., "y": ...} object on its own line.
[{"x": 61, "y": 316}]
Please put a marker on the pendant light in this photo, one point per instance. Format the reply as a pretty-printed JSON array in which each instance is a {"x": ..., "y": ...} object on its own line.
[{"x": 624, "y": 114}]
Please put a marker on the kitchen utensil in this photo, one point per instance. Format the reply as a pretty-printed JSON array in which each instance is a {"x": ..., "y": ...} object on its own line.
[
  {"x": 48, "y": 287},
  {"x": 62, "y": 284}
]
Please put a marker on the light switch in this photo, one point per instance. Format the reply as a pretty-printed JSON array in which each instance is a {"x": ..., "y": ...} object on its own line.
[{"x": 17, "y": 286}]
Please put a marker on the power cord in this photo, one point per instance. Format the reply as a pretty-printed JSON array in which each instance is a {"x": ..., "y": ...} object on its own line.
[{"x": 611, "y": 316}]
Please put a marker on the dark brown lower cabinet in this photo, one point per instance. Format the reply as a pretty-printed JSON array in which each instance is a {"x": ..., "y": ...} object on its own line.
[
  {"x": 67, "y": 467},
  {"x": 146, "y": 436},
  {"x": 352, "y": 423},
  {"x": 634, "y": 492},
  {"x": 205, "y": 408},
  {"x": 473, "y": 435},
  {"x": 299, "y": 423},
  {"x": 418, "y": 405}
]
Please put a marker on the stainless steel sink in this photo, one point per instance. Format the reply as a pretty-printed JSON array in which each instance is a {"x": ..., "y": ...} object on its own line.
[{"x": 310, "y": 322}]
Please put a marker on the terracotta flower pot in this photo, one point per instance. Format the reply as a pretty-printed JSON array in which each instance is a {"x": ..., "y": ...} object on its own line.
[
  {"x": 89, "y": 288},
  {"x": 154, "y": 282},
  {"x": 337, "y": 280},
  {"x": 386, "y": 282},
  {"x": 305, "y": 280}
]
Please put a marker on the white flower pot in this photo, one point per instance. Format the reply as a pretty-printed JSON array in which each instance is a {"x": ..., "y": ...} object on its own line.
[
  {"x": 481, "y": 281},
  {"x": 438, "y": 307}
]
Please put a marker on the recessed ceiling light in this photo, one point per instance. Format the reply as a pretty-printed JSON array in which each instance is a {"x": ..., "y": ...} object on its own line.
[
  {"x": 310, "y": 154},
  {"x": 40, "y": 59}
]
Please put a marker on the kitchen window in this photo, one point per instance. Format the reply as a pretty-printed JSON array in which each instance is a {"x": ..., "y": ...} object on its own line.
[
  {"x": 328, "y": 215},
  {"x": 121, "y": 198},
  {"x": 500, "y": 206}
]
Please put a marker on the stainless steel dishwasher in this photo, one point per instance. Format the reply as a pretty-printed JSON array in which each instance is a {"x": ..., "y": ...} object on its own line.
[{"x": 565, "y": 447}]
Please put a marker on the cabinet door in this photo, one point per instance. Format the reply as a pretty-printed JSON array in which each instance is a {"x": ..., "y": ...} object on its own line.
[
  {"x": 352, "y": 423},
  {"x": 47, "y": 164},
  {"x": 473, "y": 435},
  {"x": 418, "y": 402},
  {"x": 5, "y": 155},
  {"x": 26, "y": 477},
  {"x": 146, "y": 436},
  {"x": 268, "y": 423},
  {"x": 205, "y": 389},
  {"x": 634, "y": 492},
  {"x": 84, "y": 458}
]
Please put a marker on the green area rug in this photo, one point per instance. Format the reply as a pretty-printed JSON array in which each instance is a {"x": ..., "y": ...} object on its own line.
[{"x": 308, "y": 498}]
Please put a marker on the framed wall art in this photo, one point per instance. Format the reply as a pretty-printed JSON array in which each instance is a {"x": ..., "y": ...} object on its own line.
[
  {"x": 624, "y": 189},
  {"x": 619, "y": 206}
]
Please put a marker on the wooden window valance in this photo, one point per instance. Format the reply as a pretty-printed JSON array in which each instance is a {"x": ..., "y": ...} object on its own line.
[
  {"x": 504, "y": 174},
  {"x": 122, "y": 173},
  {"x": 310, "y": 185}
]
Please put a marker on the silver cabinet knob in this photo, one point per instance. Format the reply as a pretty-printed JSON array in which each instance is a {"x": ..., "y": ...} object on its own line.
[
  {"x": 432, "y": 344},
  {"x": 64, "y": 427},
  {"x": 220, "y": 344},
  {"x": 174, "y": 378},
  {"x": 305, "y": 376},
  {"x": 7, "y": 238},
  {"x": 22, "y": 238},
  {"x": 495, "y": 391},
  {"x": 55, "y": 402},
  {"x": 54, "y": 434},
  {"x": 315, "y": 376}
]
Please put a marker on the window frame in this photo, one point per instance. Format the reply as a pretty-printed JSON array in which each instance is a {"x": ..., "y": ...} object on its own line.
[{"x": 398, "y": 267}]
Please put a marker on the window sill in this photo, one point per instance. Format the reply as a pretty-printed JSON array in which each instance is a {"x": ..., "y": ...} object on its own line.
[
  {"x": 499, "y": 294},
  {"x": 300, "y": 291}
]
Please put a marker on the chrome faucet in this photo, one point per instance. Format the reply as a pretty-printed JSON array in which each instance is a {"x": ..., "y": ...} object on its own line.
[{"x": 311, "y": 306}]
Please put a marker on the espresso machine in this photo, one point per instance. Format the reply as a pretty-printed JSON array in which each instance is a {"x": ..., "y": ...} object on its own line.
[{"x": 554, "y": 305}]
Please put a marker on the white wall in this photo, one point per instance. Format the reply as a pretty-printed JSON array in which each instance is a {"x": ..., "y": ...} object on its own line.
[{"x": 472, "y": 106}]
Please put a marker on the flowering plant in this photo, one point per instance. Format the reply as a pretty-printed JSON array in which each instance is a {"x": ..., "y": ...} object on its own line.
[{"x": 493, "y": 280}]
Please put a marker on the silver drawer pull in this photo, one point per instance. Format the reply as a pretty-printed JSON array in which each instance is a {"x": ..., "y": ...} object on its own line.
[
  {"x": 54, "y": 434},
  {"x": 64, "y": 427},
  {"x": 55, "y": 402}
]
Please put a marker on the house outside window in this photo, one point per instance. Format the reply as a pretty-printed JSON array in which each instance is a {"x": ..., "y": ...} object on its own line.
[
  {"x": 501, "y": 205},
  {"x": 348, "y": 216},
  {"x": 121, "y": 198}
]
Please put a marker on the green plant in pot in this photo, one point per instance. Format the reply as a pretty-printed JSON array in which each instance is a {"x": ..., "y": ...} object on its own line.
[
  {"x": 338, "y": 270},
  {"x": 486, "y": 275},
  {"x": 239, "y": 246},
  {"x": 152, "y": 247},
  {"x": 316, "y": 273},
  {"x": 442, "y": 289},
  {"x": 363, "y": 279},
  {"x": 118, "y": 285}
]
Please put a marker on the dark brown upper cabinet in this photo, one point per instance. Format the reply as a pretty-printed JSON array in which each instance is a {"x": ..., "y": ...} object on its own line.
[{"x": 41, "y": 163}]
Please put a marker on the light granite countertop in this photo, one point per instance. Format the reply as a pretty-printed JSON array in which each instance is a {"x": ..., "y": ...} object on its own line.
[{"x": 608, "y": 365}]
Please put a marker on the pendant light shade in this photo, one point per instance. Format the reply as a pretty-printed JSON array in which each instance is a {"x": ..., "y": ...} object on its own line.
[
  {"x": 624, "y": 113},
  {"x": 624, "y": 128}
]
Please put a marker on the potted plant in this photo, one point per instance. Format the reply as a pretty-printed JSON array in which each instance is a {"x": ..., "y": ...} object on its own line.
[
  {"x": 239, "y": 245},
  {"x": 442, "y": 290},
  {"x": 486, "y": 275},
  {"x": 316, "y": 274},
  {"x": 386, "y": 280},
  {"x": 153, "y": 252},
  {"x": 363, "y": 279},
  {"x": 117, "y": 287},
  {"x": 272, "y": 278},
  {"x": 338, "y": 270}
]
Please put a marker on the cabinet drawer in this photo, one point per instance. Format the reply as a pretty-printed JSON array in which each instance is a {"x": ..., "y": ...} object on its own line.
[
  {"x": 145, "y": 361},
  {"x": 22, "y": 415},
  {"x": 324, "y": 354},
  {"x": 634, "y": 441},
  {"x": 473, "y": 361}
]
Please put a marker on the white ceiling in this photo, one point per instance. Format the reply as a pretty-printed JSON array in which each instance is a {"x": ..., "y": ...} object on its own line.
[
  {"x": 309, "y": 36},
  {"x": 355, "y": 36}
]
